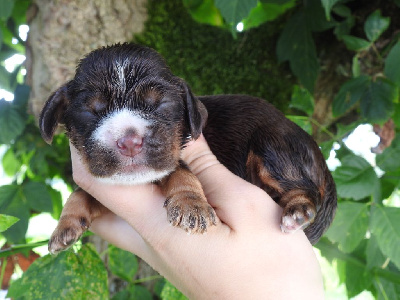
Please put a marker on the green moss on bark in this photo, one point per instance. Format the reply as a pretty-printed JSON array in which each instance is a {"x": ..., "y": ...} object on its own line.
[{"x": 211, "y": 61}]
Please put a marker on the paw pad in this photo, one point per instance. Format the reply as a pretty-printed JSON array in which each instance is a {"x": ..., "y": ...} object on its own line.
[{"x": 297, "y": 217}]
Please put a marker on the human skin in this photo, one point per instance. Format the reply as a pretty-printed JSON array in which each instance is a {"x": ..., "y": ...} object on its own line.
[{"x": 245, "y": 256}]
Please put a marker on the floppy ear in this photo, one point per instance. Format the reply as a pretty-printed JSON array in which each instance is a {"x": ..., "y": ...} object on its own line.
[
  {"x": 196, "y": 113},
  {"x": 52, "y": 113}
]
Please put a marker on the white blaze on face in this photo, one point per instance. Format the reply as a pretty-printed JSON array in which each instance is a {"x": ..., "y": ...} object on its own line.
[
  {"x": 117, "y": 124},
  {"x": 121, "y": 80},
  {"x": 133, "y": 169}
]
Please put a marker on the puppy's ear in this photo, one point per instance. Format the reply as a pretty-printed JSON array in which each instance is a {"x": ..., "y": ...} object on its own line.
[
  {"x": 52, "y": 113},
  {"x": 196, "y": 113}
]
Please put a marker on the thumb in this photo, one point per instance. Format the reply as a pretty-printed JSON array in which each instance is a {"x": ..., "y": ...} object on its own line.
[{"x": 236, "y": 201}]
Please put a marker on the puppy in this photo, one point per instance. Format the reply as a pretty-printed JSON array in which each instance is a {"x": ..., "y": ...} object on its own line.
[{"x": 129, "y": 117}]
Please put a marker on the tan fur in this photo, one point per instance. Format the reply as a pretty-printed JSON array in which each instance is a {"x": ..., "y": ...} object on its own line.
[
  {"x": 186, "y": 203},
  {"x": 78, "y": 213}
]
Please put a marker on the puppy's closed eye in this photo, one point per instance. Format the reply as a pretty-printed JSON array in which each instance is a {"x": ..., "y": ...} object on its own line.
[{"x": 97, "y": 105}]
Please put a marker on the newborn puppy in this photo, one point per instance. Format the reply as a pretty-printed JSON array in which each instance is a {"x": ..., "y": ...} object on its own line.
[{"x": 129, "y": 117}]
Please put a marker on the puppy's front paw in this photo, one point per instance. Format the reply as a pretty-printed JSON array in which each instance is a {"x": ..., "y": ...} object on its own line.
[
  {"x": 190, "y": 211},
  {"x": 297, "y": 216},
  {"x": 68, "y": 231}
]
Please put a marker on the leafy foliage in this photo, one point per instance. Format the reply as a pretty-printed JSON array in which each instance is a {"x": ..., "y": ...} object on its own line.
[
  {"x": 343, "y": 54},
  {"x": 202, "y": 55},
  {"x": 122, "y": 263},
  {"x": 46, "y": 278},
  {"x": 6, "y": 222}
]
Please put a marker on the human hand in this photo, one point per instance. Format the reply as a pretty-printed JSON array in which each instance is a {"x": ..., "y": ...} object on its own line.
[{"x": 246, "y": 256}]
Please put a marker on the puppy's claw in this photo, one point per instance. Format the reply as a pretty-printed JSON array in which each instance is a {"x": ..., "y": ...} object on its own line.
[
  {"x": 68, "y": 231},
  {"x": 190, "y": 211}
]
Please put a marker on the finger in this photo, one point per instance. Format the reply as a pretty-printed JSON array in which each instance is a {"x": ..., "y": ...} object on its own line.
[{"x": 118, "y": 232}]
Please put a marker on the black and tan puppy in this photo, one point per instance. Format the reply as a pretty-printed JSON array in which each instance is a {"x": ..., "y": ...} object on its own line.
[{"x": 129, "y": 117}]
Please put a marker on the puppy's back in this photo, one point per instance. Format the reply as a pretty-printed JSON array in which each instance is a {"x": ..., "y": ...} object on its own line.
[{"x": 258, "y": 143}]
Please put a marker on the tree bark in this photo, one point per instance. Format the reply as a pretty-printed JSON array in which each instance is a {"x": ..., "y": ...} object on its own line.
[{"x": 62, "y": 31}]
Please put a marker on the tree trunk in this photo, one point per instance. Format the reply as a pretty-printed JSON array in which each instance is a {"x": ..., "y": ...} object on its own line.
[{"x": 62, "y": 31}]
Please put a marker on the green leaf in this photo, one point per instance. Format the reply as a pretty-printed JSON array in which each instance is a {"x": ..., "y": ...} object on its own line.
[
  {"x": 389, "y": 160},
  {"x": 386, "y": 290},
  {"x": 140, "y": 292},
  {"x": 358, "y": 278},
  {"x": 5, "y": 77},
  {"x": 11, "y": 164},
  {"x": 204, "y": 11},
  {"x": 122, "y": 295},
  {"x": 68, "y": 275},
  {"x": 133, "y": 292},
  {"x": 375, "y": 258},
  {"x": 280, "y": 2},
  {"x": 328, "y": 4},
  {"x": 355, "y": 66},
  {"x": 235, "y": 11},
  {"x": 355, "y": 43},
  {"x": 356, "y": 258},
  {"x": 343, "y": 28},
  {"x": 392, "y": 63},
  {"x": 377, "y": 102},
  {"x": 6, "y": 7},
  {"x": 1, "y": 39},
  {"x": 20, "y": 10},
  {"x": 350, "y": 92},
  {"x": 297, "y": 45},
  {"x": 349, "y": 226},
  {"x": 170, "y": 292},
  {"x": 390, "y": 182},
  {"x": 21, "y": 97},
  {"x": 11, "y": 122},
  {"x": 342, "y": 10},
  {"x": 7, "y": 221},
  {"x": 38, "y": 197},
  {"x": 385, "y": 226},
  {"x": 355, "y": 178},
  {"x": 326, "y": 148},
  {"x": 19, "y": 209},
  {"x": 302, "y": 100},
  {"x": 122, "y": 263},
  {"x": 303, "y": 122},
  {"x": 375, "y": 25},
  {"x": 315, "y": 16},
  {"x": 8, "y": 39},
  {"x": 7, "y": 194},
  {"x": 56, "y": 199},
  {"x": 38, "y": 163},
  {"x": 345, "y": 130},
  {"x": 265, "y": 12},
  {"x": 396, "y": 114},
  {"x": 377, "y": 98}
]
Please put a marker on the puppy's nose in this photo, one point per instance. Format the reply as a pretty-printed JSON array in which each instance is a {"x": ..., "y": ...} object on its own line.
[{"x": 130, "y": 145}]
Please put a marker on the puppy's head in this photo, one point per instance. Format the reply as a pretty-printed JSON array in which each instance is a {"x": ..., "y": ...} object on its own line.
[{"x": 126, "y": 113}]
